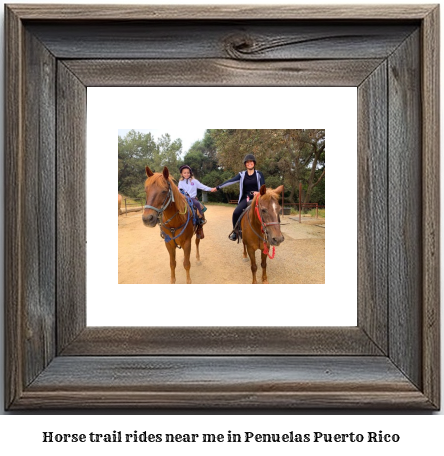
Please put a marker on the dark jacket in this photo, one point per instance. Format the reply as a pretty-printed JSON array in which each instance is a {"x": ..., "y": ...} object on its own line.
[{"x": 240, "y": 178}]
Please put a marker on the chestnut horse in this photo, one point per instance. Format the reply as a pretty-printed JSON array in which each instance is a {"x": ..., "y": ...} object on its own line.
[
  {"x": 261, "y": 228},
  {"x": 166, "y": 206}
]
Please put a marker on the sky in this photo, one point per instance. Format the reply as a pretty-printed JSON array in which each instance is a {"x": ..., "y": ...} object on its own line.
[{"x": 188, "y": 135}]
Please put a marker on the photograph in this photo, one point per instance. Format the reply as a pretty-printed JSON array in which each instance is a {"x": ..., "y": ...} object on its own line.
[
  {"x": 262, "y": 189},
  {"x": 191, "y": 212}
]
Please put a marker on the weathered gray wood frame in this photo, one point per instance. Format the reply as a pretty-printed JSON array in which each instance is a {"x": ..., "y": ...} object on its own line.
[{"x": 390, "y": 360}]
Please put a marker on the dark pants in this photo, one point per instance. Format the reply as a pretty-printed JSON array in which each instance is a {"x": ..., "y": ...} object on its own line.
[
  {"x": 197, "y": 205},
  {"x": 239, "y": 209}
]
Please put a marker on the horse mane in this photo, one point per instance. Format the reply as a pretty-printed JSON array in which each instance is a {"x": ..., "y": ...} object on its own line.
[
  {"x": 270, "y": 193},
  {"x": 179, "y": 199}
]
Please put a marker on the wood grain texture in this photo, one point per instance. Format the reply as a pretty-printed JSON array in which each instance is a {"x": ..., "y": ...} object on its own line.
[
  {"x": 221, "y": 72},
  {"x": 220, "y": 12},
  {"x": 104, "y": 367},
  {"x": 430, "y": 93},
  {"x": 258, "y": 40},
  {"x": 404, "y": 209},
  {"x": 38, "y": 221},
  {"x": 30, "y": 205},
  {"x": 13, "y": 209},
  {"x": 236, "y": 401},
  {"x": 127, "y": 341},
  {"x": 71, "y": 206},
  {"x": 233, "y": 382},
  {"x": 372, "y": 207}
]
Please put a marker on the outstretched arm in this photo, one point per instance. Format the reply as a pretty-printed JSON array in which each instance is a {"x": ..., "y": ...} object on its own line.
[
  {"x": 229, "y": 182},
  {"x": 202, "y": 186}
]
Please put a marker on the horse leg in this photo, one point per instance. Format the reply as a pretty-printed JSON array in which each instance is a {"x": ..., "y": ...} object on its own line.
[
  {"x": 172, "y": 251},
  {"x": 245, "y": 258},
  {"x": 251, "y": 254},
  {"x": 264, "y": 267},
  {"x": 186, "y": 259},
  {"x": 197, "y": 251}
]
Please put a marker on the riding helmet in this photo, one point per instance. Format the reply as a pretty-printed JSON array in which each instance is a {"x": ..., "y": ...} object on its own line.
[
  {"x": 187, "y": 167},
  {"x": 249, "y": 157}
]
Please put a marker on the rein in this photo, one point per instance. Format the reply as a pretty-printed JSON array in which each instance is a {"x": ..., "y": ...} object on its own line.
[{"x": 263, "y": 229}]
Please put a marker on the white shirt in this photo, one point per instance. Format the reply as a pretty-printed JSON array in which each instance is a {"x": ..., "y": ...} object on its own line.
[{"x": 191, "y": 185}]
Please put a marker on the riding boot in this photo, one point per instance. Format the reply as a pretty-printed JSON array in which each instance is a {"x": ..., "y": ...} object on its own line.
[{"x": 199, "y": 232}]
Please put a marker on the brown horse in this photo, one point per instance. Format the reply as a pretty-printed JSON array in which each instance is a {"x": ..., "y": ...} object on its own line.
[
  {"x": 261, "y": 228},
  {"x": 120, "y": 204},
  {"x": 166, "y": 206}
]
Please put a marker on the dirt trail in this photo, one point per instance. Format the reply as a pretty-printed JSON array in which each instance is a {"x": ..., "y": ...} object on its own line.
[{"x": 143, "y": 257}]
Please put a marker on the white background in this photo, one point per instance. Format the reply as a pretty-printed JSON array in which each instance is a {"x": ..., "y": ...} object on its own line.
[
  {"x": 329, "y": 304},
  {"x": 22, "y": 434}
]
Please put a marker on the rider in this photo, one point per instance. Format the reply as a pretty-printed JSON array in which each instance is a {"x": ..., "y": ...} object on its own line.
[
  {"x": 189, "y": 184},
  {"x": 251, "y": 181}
]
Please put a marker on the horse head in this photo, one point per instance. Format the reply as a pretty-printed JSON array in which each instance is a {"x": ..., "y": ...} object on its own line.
[
  {"x": 268, "y": 210},
  {"x": 158, "y": 195}
]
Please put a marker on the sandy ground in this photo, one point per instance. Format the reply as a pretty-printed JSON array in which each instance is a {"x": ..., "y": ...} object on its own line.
[{"x": 143, "y": 257}]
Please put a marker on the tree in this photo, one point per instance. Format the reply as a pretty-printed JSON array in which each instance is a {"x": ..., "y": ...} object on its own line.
[
  {"x": 314, "y": 140},
  {"x": 195, "y": 158},
  {"x": 168, "y": 153},
  {"x": 137, "y": 150},
  {"x": 284, "y": 156},
  {"x": 133, "y": 150}
]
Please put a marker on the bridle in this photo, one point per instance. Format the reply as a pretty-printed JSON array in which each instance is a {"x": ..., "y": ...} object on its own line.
[
  {"x": 264, "y": 226},
  {"x": 169, "y": 198}
]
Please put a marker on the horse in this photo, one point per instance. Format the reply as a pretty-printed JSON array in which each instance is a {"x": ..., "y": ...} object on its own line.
[
  {"x": 168, "y": 207},
  {"x": 261, "y": 229}
]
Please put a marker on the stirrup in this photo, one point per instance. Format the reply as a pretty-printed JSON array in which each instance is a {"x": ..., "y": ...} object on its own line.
[
  {"x": 202, "y": 221},
  {"x": 232, "y": 236}
]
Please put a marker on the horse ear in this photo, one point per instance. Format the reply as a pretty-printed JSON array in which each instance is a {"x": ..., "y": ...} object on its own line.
[
  {"x": 165, "y": 173},
  {"x": 263, "y": 190},
  {"x": 149, "y": 173},
  {"x": 279, "y": 189}
]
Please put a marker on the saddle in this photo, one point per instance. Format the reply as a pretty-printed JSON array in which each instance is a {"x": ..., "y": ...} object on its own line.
[{"x": 195, "y": 215}]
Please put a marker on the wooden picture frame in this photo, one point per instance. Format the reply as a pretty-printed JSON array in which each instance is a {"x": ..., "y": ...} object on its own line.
[{"x": 390, "y": 360}]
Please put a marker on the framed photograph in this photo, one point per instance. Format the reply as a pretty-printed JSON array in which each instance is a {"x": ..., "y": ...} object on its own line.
[
  {"x": 389, "y": 359},
  {"x": 221, "y": 276}
]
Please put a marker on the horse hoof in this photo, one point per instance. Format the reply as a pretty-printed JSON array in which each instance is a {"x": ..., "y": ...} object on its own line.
[
  {"x": 244, "y": 259},
  {"x": 198, "y": 262},
  {"x": 265, "y": 281}
]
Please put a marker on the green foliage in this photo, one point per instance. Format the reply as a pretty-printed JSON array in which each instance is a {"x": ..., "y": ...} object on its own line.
[
  {"x": 273, "y": 181},
  {"x": 321, "y": 213},
  {"x": 285, "y": 157},
  {"x": 137, "y": 150},
  {"x": 216, "y": 177}
]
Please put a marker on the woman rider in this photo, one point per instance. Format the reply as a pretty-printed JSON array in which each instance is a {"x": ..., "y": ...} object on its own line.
[{"x": 250, "y": 182}]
